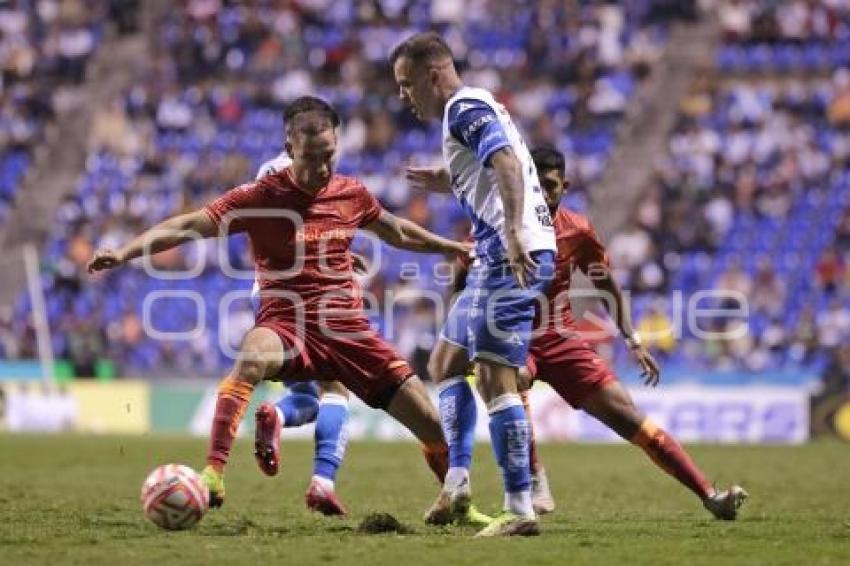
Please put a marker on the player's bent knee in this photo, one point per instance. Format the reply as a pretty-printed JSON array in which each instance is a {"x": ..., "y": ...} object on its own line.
[{"x": 251, "y": 370}]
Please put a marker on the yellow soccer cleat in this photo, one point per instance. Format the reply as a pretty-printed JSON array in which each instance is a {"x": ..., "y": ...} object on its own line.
[
  {"x": 509, "y": 524},
  {"x": 214, "y": 480}
]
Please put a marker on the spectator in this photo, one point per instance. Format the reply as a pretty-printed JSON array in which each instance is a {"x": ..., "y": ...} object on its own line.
[
  {"x": 657, "y": 330},
  {"x": 833, "y": 325},
  {"x": 829, "y": 270},
  {"x": 768, "y": 291}
]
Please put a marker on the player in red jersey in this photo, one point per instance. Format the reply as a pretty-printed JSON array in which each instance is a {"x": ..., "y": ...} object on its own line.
[
  {"x": 569, "y": 364},
  {"x": 310, "y": 324}
]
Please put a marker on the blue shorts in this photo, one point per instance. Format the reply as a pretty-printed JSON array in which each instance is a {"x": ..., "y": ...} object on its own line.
[{"x": 493, "y": 318}]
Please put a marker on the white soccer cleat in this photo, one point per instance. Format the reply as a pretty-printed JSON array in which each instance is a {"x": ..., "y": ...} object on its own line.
[
  {"x": 455, "y": 507},
  {"x": 541, "y": 496},
  {"x": 450, "y": 505},
  {"x": 724, "y": 504}
]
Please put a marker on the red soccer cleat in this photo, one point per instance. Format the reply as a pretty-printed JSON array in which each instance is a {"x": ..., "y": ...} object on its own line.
[
  {"x": 267, "y": 439},
  {"x": 323, "y": 500}
]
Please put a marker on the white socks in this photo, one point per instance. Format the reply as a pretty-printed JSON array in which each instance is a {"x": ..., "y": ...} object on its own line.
[
  {"x": 455, "y": 477},
  {"x": 519, "y": 503},
  {"x": 327, "y": 485}
]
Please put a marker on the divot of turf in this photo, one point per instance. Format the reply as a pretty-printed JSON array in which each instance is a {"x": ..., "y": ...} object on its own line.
[{"x": 381, "y": 523}]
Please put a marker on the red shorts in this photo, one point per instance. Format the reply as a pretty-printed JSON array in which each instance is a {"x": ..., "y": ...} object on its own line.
[
  {"x": 366, "y": 363},
  {"x": 571, "y": 367}
]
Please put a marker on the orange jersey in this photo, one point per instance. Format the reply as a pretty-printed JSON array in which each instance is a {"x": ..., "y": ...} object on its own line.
[
  {"x": 578, "y": 248},
  {"x": 301, "y": 241}
]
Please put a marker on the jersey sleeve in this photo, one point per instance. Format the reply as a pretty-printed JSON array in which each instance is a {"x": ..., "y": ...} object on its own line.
[
  {"x": 592, "y": 252},
  {"x": 370, "y": 208},
  {"x": 227, "y": 207},
  {"x": 475, "y": 124}
]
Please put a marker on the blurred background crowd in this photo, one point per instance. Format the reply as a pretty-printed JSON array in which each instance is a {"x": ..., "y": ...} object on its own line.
[{"x": 751, "y": 195}]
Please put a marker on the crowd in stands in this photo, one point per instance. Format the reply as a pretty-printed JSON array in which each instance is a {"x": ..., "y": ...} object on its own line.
[
  {"x": 45, "y": 45},
  {"x": 204, "y": 112},
  {"x": 752, "y": 196}
]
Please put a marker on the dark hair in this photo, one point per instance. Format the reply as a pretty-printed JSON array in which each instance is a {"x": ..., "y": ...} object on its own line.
[
  {"x": 547, "y": 158},
  {"x": 309, "y": 105},
  {"x": 422, "y": 48}
]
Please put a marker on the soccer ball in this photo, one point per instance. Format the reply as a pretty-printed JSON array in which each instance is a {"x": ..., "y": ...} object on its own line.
[{"x": 174, "y": 497}]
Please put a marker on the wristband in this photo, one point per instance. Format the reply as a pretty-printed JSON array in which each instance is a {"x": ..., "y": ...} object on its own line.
[{"x": 633, "y": 341}]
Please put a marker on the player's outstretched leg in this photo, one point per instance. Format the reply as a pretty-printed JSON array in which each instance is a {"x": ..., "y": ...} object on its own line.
[
  {"x": 448, "y": 366},
  {"x": 299, "y": 406},
  {"x": 261, "y": 357},
  {"x": 614, "y": 407},
  {"x": 412, "y": 407},
  {"x": 509, "y": 436},
  {"x": 331, "y": 436},
  {"x": 541, "y": 496}
]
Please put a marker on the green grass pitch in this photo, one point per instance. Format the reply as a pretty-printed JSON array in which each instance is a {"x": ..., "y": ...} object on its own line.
[{"x": 74, "y": 500}]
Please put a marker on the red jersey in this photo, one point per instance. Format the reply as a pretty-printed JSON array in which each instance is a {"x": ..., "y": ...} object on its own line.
[
  {"x": 578, "y": 248},
  {"x": 301, "y": 241}
]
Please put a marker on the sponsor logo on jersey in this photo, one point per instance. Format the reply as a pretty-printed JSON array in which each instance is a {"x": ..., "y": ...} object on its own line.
[
  {"x": 315, "y": 235},
  {"x": 477, "y": 125}
]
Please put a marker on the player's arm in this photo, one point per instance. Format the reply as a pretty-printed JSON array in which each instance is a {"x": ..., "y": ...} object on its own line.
[
  {"x": 510, "y": 184},
  {"x": 602, "y": 279},
  {"x": 476, "y": 125},
  {"x": 432, "y": 179},
  {"x": 407, "y": 235},
  {"x": 164, "y": 236},
  {"x": 458, "y": 283}
]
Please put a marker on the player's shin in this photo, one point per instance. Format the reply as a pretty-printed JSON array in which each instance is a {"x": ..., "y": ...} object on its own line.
[
  {"x": 331, "y": 438},
  {"x": 509, "y": 435},
  {"x": 234, "y": 395},
  {"x": 669, "y": 455},
  {"x": 458, "y": 414},
  {"x": 536, "y": 465}
]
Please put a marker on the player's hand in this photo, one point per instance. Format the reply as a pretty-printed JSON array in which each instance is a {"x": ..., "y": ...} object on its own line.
[
  {"x": 520, "y": 261},
  {"x": 359, "y": 264},
  {"x": 102, "y": 260},
  {"x": 460, "y": 249},
  {"x": 650, "y": 370},
  {"x": 434, "y": 179}
]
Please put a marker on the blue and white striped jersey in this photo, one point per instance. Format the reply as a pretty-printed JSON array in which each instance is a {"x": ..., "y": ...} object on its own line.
[{"x": 475, "y": 126}]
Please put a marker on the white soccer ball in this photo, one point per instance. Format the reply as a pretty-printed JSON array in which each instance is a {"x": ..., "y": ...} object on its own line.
[{"x": 174, "y": 497}]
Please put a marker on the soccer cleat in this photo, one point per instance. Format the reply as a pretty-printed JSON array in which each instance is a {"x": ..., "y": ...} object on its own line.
[
  {"x": 456, "y": 507},
  {"x": 724, "y": 505},
  {"x": 541, "y": 497},
  {"x": 473, "y": 518},
  {"x": 214, "y": 481},
  {"x": 267, "y": 439},
  {"x": 323, "y": 500},
  {"x": 509, "y": 524},
  {"x": 450, "y": 506}
]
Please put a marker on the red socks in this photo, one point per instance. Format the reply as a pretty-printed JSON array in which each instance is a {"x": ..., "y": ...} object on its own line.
[
  {"x": 671, "y": 457},
  {"x": 536, "y": 466},
  {"x": 437, "y": 456},
  {"x": 233, "y": 398}
]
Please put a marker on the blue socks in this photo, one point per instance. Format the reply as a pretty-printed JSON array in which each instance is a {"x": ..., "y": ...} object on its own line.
[
  {"x": 458, "y": 415},
  {"x": 298, "y": 408},
  {"x": 331, "y": 435},
  {"x": 510, "y": 435},
  {"x": 302, "y": 405}
]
